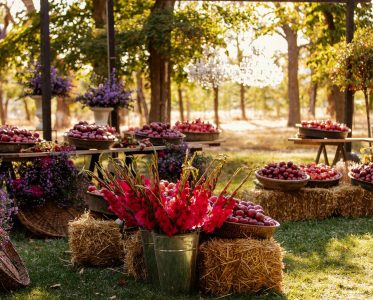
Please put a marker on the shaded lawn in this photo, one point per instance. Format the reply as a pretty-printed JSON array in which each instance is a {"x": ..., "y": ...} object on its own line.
[{"x": 326, "y": 259}]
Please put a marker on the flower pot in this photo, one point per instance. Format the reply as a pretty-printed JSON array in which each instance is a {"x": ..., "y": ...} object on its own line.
[
  {"x": 149, "y": 256},
  {"x": 176, "y": 260},
  {"x": 38, "y": 111},
  {"x": 101, "y": 114}
]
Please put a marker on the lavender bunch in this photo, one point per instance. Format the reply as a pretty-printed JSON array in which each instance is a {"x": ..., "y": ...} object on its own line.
[
  {"x": 48, "y": 178},
  {"x": 7, "y": 210},
  {"x": 111, "y": 93},
  {"x": 60, "y": 86}
]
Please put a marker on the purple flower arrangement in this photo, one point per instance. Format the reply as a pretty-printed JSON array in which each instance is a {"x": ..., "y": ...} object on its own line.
[
  {"x": 48, "y": 178},
  {"x": 60, "y": 86},
  {"x": 7, "y": 211},
  {"x": 111, "y": 93}
]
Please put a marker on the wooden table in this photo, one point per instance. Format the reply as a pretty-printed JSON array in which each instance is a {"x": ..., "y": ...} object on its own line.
[{"x": 322, "y": 143}]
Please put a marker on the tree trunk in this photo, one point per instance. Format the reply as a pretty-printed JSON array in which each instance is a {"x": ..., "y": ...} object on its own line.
[
  {"x": 142, "y": 106},
  {"x": 27, "y": 110},
  {"x": 2, "y": 106},
  {"x": 99, "y": 13},
  {"x": 242, "y": 101},
  {"x": 29, "y": 4},
  {"x": 338, "y": 99},
  {"x": 160, "y": 73},
  {"x": 181, "y": 104},
  {"x": 62, "y": 114},
  {"x": 368, "y": 112},
  {"x": 216, "y": 106},
  {"x": 312, "y": 92},
  {"x": 293, "y": 84},
  {"x": 188, "y": 107}
]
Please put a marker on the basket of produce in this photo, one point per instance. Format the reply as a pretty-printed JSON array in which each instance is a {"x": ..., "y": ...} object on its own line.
[
  {"x": 197, "y": 131},
  {"x": 96, "y": 202},
  {"x": 321, "y": 175},
  {"x": 159, "y": 134},
  {"x": 362, "y": 176},
  {"x": 13, "y": 272},
  {"x": 13, "y": 139},
  {"x": 91, "y": 136},
  {"x": 323, "y": 129},
  {"x": 282, "y": 176},
  {"x": 247, "y": 220}
]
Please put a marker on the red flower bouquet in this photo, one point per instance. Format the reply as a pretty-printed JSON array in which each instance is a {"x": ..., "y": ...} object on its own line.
[{"x": 167, "y": 207}]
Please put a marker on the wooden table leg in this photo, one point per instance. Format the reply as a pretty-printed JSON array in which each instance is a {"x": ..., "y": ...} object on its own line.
[
  {"x": 340, "y": 153},
  {"x": 319, "y": 153},
  {"x": 325, "y": 155},
  {"x": 95, "y": 158}
]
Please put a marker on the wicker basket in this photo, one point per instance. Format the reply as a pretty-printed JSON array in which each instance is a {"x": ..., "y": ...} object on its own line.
[
  {"x": 238, "y": 231},
  {"x": 324, "y": 183},
  {"x": 365, "y": 185},
  {"x": 321, "y": 134},
  {"x": 13, "y": 273},
  {"x": 89, "y": 144},
  {"x": 14, "y": 147},
  {"x": 97, "y": 203},
  {"x": 48, "y": 220},
  {"x": 201, "y": 136},
  {"x": 282, "y": 185},
  {"x": 160, "y": 141}
]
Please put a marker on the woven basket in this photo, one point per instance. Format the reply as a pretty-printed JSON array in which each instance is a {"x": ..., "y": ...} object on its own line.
[
  {"x": 365, "y": 185},
  {"x": 238, "y": 231},
  {"x": 89, "y": 144},
  {"x": 48, "y": 220},
  {"x": 14, "y": 147},
  {"x": 318, "y": 133},
  {"x": 200, "y": 136},
  {"x": 160, "y": 141},
  {"x": 13, "y": 273},
  {"x": 282, "y": 185}
]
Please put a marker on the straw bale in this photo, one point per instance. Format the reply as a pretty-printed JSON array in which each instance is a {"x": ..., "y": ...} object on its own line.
[
  {"x": 240, "y": 266},
  {"x": 305, "y": 204},
  {"x": 353, "y": 201},
  {"x": 134, "y": 256},
  {"x": 95, "y": 242}
]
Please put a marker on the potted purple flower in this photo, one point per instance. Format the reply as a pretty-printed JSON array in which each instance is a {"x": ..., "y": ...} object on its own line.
[
  {"x": 105, "y": 98},
  {"x": 60, "y": 86}
]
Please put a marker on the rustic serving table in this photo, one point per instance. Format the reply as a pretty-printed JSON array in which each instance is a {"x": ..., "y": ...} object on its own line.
[{"x": 322, "y": 143}]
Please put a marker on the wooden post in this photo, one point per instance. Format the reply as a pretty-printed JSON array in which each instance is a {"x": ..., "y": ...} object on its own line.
[
  {"x": 111, "y": 54},
  {"x": 349, "y": 95},
  {"x": 45, "y": 60}
]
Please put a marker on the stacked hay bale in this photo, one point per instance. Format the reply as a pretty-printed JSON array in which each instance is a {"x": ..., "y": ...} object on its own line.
[
  {"x": 133, "y": 256},
  {"x": 95, "y": 242},
  {"x": 240, "y": 266},
  {"x": 305, "y": 204}
]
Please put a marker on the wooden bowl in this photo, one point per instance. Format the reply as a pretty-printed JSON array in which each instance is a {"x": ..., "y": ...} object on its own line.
[
  {"x": 321, "y": 134},
  {"x": 201, "y": 136},
  {"x": 324, "y": 183},
  {"x": 281, "y": 185},
  {"x": 97, "y": 203},
  {"x": 160, "y": 141},
  {"x": 89, "y": 144},
  {"x": 364, "y": 184},
  {"x": 231, "y": 230},
  {"x": 14, "y": 147}
]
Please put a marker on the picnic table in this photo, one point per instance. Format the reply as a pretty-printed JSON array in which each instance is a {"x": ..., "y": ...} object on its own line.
[
  {"x": 8, "y": 158},
  {"x": 322, "y": 143}
]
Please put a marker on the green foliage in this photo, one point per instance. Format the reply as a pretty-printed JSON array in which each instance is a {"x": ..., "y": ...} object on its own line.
[{"x": 355, "y": 59}]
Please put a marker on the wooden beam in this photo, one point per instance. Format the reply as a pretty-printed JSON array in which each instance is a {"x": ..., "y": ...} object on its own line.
[
  {"x": 45, "y": 59},
  {"x": 111, "y": 53},
  {"x": 299, "y": 1}
]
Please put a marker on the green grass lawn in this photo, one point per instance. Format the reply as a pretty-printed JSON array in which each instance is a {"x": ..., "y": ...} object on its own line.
[{"x": 329, "y": 259}]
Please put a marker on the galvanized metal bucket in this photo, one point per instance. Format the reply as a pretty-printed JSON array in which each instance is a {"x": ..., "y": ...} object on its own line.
[
  {"x": 176, "y": 259},
  {"x": 149, "y": 256}
]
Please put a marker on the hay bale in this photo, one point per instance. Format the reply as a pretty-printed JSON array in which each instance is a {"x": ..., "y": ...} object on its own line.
[
  {"x": 133, "y": 256},
  {"x": 305, "y": 204},
  {"x": 240, "y": 266},
  {"x": 95, "y": 242},
  {"x": 353, "y": 201}
]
